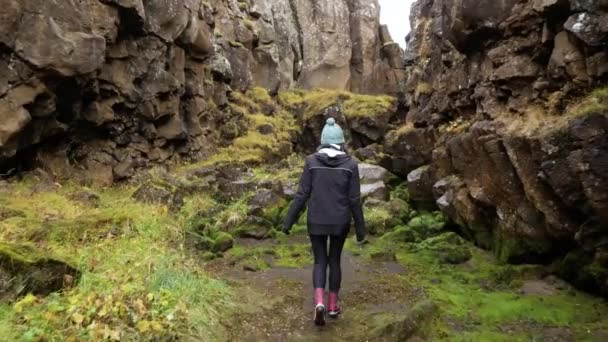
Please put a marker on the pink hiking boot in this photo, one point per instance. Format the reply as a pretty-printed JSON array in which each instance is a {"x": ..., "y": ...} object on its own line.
[
  {"x": 319, "y": 306},
  {"x": 333, "y": 307}
]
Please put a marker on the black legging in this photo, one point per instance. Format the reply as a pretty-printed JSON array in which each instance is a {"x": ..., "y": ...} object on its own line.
[{"x": 323, "y": 259}]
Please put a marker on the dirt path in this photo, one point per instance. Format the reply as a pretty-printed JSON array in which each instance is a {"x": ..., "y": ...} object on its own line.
[
  {"x": 375, "y": 296},
  {"x": 386, "y": 301}
]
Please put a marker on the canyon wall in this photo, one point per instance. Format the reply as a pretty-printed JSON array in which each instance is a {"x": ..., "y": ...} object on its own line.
[
  {"x": 99, "y": 88},
  {"x": 507, "y": 128}
]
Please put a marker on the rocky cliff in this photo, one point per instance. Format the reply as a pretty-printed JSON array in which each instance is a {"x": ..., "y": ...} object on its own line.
[
  {"x": 507, "y": 129},
  {"x": 111, "y": 85}
]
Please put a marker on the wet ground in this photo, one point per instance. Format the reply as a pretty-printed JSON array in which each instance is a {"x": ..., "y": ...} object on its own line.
[
  {"x": 383, "y": 300},
  {"x": 285, "y": 295}
]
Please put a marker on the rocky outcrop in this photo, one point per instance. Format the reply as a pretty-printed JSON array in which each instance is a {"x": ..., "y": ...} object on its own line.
[
  {"x": 503, "y": 131},
  {"x": 110, "y": 86}
]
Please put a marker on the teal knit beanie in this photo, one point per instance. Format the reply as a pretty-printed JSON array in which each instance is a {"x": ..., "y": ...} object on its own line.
[{"x": 332, "y": 133}]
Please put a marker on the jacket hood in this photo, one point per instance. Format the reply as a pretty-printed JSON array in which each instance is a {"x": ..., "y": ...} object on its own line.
[{"x": 332, "y": 161}]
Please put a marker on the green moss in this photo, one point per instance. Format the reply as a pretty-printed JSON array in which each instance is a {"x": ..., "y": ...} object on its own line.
[
  {"x": 400, "y": 209},
  {"x": 258, "y": 108},
  {"x": 317, "y": 100},
  {"x": 538, "y": 121},
  {"x": 379, "y": 220},
  {"x": 448, "y": 248},
  {"x": 423, "y": 88},
  {"x": 395, "y": 136},
  {"x": 236, "y": 44},
  {"x": 401, "y": 192},
  {"x": 428, "y": 224},
  {"x": 19, "y": 254},
  {"x": 292, "y": 172},
  {"x": 222, "y": 242},
  {"x": 595, "y": 102},
  {"x": 281, "y": 254},
  {"x": 418, "y": 229},
  {"x": 401, "y": 234},
  {"x": 293, "y": 256},
  {"x": 139, "y": 258},
  {"x": 291, "y": 99},
  {"x": 260, "y": 95},
  {"x": 354, "y": 105},
  {"x": 367, "y": 105},
  {"x": 512, "y": 249},
  {"x": 276, "y": 213}
]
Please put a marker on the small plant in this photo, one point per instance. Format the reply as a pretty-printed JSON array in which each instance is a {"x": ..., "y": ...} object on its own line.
[
  {"x": 393, "y": 137},
  {"x": 423, "y": 88},
  {"x": 367, "y": 105},
  {"x": 536, "y": 120}
]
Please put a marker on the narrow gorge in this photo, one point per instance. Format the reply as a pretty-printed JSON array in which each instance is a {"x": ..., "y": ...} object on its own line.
[{"x": 149, "y": 150}]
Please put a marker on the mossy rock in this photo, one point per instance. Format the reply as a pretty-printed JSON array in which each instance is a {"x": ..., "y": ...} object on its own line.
[
  {"x": 427, "y": 225},
  {"x": 208, "y": 256},
  {"x": 402, "y": 327},
  {"x": 380, "y": 220},
  {"x": 159, "y": 193},
  {"x": 448, "y": 248},
  {"x": 402, "y": 234},
  {"x": 418, "y": 229},
  {"x": 400, "y": 209},
  {"x": 222, "y": 242},
  {"x": 401, "y": 192},
  {"x": 584, "y": 272},
  {"x": 214, "y": 240},
  {"x": 515, "y": 250},
  {"x": 252, "y": 231},
  {"x": 23, "y": 270},
  {"x": 276, "y": 211}
]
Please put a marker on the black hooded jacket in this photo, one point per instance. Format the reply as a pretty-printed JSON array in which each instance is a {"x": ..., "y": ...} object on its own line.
[{"x": 332, "y": 189}]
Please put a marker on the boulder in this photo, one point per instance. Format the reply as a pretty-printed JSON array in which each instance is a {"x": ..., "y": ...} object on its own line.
[
  {"x": 264, "y": 198},
  {"x": 448, "y": 248},
  {"x": 255, "y": 227},
  {"x": 167, "y": 19},
  {"x": 152, "y": 193},
  {"x": 235, "y": 189},
  {"x": 376, "y": 190},
  {"x": 566, "y": 57},
  {"x": 370, "y": 174},
  {"x": 74, "y": 52},
  {"x": 404, "y": 326},
  {"x": 591, "y": 28},
  {"x": 409, "y": 148},
  {"x": 289, "y": 189},
  {"x": 420, "y": 186}
]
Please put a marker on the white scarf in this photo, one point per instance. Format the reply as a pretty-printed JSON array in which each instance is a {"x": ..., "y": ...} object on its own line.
[{"x": 332, "y": 152}]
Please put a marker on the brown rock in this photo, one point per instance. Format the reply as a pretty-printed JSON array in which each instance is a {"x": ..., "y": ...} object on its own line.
[
  {"x": 592, "y": 28},
  {"x": 168, "y": 19},
  {"x": 420, "y": 187},
  {"x": 74, "y": 53},
  {"x": 567, "y": 57}
]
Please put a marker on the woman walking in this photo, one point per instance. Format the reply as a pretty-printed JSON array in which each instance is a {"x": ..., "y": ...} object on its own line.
[{"x": 330, "y": 185}]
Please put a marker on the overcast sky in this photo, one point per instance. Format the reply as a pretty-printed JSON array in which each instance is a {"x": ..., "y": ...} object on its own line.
[{"x": 396, "y": 14}]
